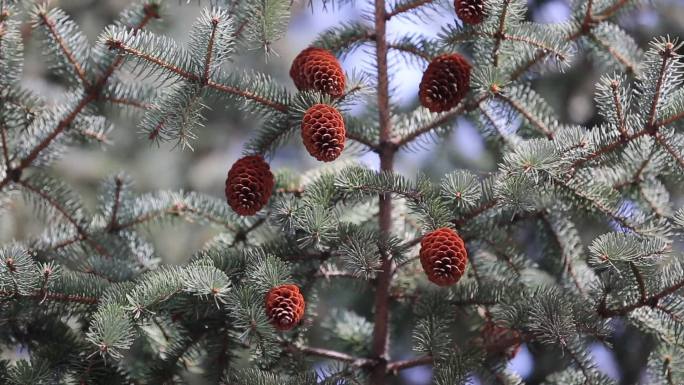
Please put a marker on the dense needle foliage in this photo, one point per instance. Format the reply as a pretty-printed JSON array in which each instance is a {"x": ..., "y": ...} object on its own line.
[{"x": 87, "y": 301}]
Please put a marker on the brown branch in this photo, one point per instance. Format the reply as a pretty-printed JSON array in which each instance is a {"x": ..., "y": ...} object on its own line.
[
  {"x": 499, "y": 34},
  {"x": 618, "y": 106},
  {"x": 119, "y": 45},
  {"x": 640, "y": 281},
  {"x": 532, "y": 119},
  {"x": 605, "y": 312},
  {"x": 629, "y": 66},
  {"x": 129, "y": 102},
  {"x": 331, "y": 354},
  {"x": 387, "y": 150},
  {"x": 3, "y": 139},
  {"x": 669, "y": 120},
  {"x": 94, "y": 94},
  {"x": 475, "y": 212},
  {"x": 63, "y": 211},
  {"x": 113, "y": 221},
  {"x": 396, "y": 366},
  {"x": 61, "y": 297},
  {"x": 63, "y": 46},
  {"x": 210, "y": 48},
  {"x": 410, "y": 50},
  {"x": 671, "y": 150},
  {"x": 605, "y": 150},
  {"x": 534, "y": 43},
  {"x": 406, "y": 7},
  {"x": 463, "y": 107}
]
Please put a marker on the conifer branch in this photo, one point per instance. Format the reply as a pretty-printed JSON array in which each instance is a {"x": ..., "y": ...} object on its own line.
[
  {"x": 640, "y": 281},
  {"x": 408, "y": 6},
  {"x": 396, "y": 366},
  {"x": 113, "y": 220},
  {"x": 50, "y": 24},
  {"x": 93, "y": 94},
  {"x": 380, "y": 344},
  {"x": 499, "y": 34},
  {"x": 547, "y": 49},
  {"x": 332, "y": 354},
  {"x": 539, "y": 125},
  {"x": 584, "y": 29},
  {"x": 605, "y": 150},
  {"x": 129, "y": 102},
  {"x": 120, "y": 46},
  {"x": 3, "y": 142},
  {"x": 667, "y": 54},
  {"x": 629, "y": 66},
  {"x": 670, "y": 149},
  {"x": 619, "y": 109},
  {"x": 605, "y": 312},
  {"x": 52, "y": 296},
  {"x": 475, "y": 212},
  {"x": 669, "y": 120},
  {"x": 65, "y": 213},
  {"x": 210, "y": 49},
  {"x": 461, "y": 109}
]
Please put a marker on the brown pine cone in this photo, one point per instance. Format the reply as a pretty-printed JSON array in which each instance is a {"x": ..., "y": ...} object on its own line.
[
  {"x": 318, "y": 69},
  {"x": 470, "y": 11},
  {"x": 285, "y": 306},
  {"x": 445, "y": 82},
  {"x": 323, "y": 132},
  {"x": 443, "y": 256},
  {"x": 249, "y": 185},
  {"x": 500, "y": 340}
]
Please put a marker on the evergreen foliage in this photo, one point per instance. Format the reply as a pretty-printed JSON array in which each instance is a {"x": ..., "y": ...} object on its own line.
[{"x": 89, "y": 303}]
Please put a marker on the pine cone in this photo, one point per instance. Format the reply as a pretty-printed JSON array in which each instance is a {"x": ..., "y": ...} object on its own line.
[
  {"x": 285, "y": 306},
  {"x": 443, "y": 256},
  {"x": 470, "y": 11},
  {"x": 445, "y": 83},
  {"x": 249, "y": 185},
  {"x": 318, "y": 69},
  {"x": 323, "y": 132},
  {"x": 500, "y": 340}
]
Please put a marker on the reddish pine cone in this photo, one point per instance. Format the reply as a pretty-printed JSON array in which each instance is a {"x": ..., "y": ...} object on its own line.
[
  {"x": 470, "y": 11},
  {"x": 285, "y": 306},
  {"x": 323, "y": 132},
  {"x": 443, "y": 256},
  {"x": 318, "y": 69},
  {"x": 249, "y": 185},
  {"x": 445, "y": 83},
  {"x": 500, "y": 340}
]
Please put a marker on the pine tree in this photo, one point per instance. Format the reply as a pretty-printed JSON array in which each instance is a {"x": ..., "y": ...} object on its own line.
[{"x": 574, "y": 234}]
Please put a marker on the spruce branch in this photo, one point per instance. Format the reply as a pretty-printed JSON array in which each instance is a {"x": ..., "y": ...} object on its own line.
[
  {"x": 65, "y": 212},
  {"x": 404, "y": 6},
  {"x": 670, "y": 149},
  {"x": 396, "y": 366},
  {"x": 63, "y": 124},
  {"x": 48, "y": 19}
]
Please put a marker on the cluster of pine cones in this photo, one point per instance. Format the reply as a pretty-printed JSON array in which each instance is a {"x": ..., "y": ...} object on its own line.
[{"x": 250, "y": 183}]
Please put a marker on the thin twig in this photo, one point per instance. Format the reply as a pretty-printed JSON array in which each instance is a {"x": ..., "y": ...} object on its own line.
[{"x": 63, "y": 46}]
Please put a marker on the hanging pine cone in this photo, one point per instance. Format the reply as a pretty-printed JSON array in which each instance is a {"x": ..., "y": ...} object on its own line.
[
  {"x": 285, "y": 306},
  {"x": 249, "y": 185},
  {"x": 445, "y": 83},
  {"x": 443, "y": 256},
  {"x": 323, "y": 132},
  {"x": 318, "y": 69},
  {"x": 470, "y": 11},
  {"x": 500, "y": 340}
]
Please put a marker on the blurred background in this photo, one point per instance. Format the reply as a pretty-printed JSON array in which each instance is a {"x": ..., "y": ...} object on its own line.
[{"x": 220, "y": 142}]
